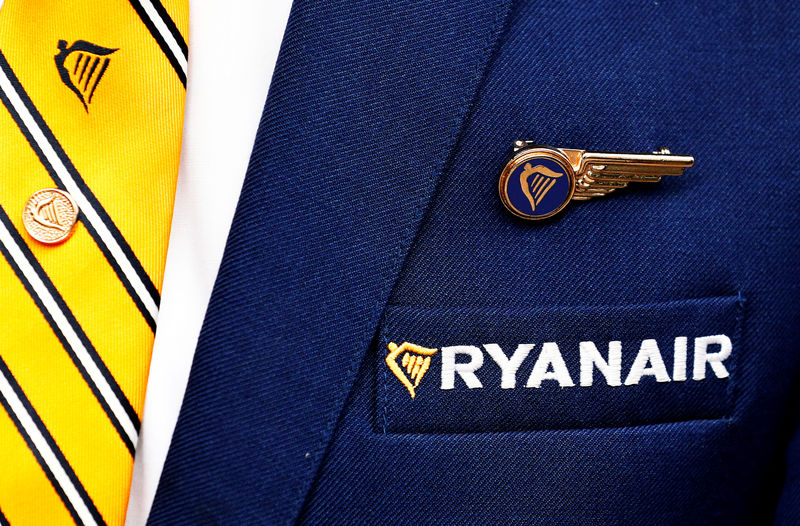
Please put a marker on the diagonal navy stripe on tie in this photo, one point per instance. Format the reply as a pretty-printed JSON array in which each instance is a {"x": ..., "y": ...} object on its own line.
[
  {"x": 165, "y": 33},
  {"x": 46, "y": 451},
  {"x": 69, "y": 332}
]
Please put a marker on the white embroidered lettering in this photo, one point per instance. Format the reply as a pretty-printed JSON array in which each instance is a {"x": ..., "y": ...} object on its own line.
[
  {"x": 508, "y": 366},
  {"x": 591, "y": 358},
  {"x": 647, "y": 363},
  {"x": 715, "y": 359},
  {"x": 465, "y": 370},
  {"x": 550, "y": 366},
  {"x": 679, "y": 361}
]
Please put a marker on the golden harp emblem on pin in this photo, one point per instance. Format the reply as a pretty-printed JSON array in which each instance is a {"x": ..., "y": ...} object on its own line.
[
  {"x": 49, "y": 216},
  {"x": 414, "y": 362},
  {"x": 538, "y": 182}
]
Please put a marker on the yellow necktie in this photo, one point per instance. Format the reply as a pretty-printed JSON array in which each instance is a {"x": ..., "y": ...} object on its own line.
[{"x": 92, "y": 97}]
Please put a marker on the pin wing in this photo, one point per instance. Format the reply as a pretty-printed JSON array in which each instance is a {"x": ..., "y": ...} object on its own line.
[{"x": 599, "y": 174}]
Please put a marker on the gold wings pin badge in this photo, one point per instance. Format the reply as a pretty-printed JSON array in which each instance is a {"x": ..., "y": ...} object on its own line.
[{"x": 539, "y": 181}]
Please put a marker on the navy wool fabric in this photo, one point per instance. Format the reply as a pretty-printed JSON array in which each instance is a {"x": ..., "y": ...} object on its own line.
[
  {"x": 366, "y": 103},
  {"x": 373, "y": 188}
]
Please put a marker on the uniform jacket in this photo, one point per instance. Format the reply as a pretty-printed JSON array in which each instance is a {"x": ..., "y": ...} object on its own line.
[{"x": 370, "y": 216}]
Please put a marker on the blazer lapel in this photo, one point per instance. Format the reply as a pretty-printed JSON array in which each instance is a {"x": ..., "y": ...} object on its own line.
[{"x": 365, "y": 107}]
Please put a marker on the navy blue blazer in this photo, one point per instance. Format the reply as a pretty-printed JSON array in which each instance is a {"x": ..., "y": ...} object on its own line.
[{"x": 633, "y": 360}]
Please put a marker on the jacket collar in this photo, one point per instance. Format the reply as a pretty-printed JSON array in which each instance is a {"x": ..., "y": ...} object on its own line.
[{"x": 366, "y": 105}]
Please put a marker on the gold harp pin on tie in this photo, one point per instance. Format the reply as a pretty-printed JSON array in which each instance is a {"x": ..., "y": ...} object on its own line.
[{"x": 539, "y": 181}]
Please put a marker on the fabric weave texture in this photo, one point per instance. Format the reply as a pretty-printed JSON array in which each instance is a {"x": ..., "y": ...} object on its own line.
[{"x": 384, "y": 133}]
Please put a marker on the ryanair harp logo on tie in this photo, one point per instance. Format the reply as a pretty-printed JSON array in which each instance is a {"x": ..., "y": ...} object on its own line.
[
  {"x": 416, "y": 361},
  {"x": 81, "y": 67},
  {"x": 49, "y": 216},
  {"x": 539, "y": 182}
]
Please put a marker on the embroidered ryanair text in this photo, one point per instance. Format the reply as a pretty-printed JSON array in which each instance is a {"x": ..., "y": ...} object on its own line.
[{"x": 409, "y": 363}]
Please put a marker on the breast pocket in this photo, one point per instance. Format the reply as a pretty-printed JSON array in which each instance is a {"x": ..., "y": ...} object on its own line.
[{"x": 488, "y": 369}]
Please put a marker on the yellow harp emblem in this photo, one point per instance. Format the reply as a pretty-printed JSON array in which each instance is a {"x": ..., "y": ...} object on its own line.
[
  {"x": 416, "y": 360},
  {"x": 543, "y": 180}
]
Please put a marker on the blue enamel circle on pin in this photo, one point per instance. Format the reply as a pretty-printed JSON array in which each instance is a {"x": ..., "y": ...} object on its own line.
[{"x": 538, "y": 187}]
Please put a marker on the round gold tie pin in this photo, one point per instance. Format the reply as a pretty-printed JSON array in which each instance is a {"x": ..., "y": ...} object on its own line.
[
  {"x": 49, "y": 216},
  {"x": 539, "y": 181}
]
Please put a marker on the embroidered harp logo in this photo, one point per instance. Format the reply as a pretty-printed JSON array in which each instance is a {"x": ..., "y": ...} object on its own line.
[
  {"x": 416, "y": 361},
  {"x": 81, "y": 67},
  {"x": 536, "y": 181}
]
